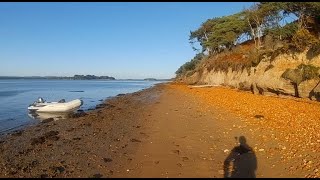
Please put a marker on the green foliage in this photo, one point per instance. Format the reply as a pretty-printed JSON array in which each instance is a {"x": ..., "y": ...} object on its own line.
[
  {"x": 218, "y": 33},
  {"x": 303, "y": 39},
  {"x": 309, "y": 71},
  {"x": 286, "y": 32},
  {"x": 262, "y": 18},
  {"x": 301, "y": 73},
  {"x": 294, "y": 75},
  {"x": 301, "y": 8},
  {"x": 190, "y": 65},
  {"x": 262, "y": 25},
  {"x": 313, "y": 51}
]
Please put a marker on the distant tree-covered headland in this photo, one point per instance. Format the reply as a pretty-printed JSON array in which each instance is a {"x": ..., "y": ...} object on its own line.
[
  {"x": 75, "y": 77},
  {"x": 89, "y": 77},
  {"x": 264, "y": 29},
  {"x": 150, "y": 79}
]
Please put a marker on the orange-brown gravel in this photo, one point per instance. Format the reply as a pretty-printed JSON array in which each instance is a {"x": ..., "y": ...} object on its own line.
[{"x": 290, "y": 125}]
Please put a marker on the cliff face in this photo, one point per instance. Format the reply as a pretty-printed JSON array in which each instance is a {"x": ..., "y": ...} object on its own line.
[{"x": 265, "y": 78}]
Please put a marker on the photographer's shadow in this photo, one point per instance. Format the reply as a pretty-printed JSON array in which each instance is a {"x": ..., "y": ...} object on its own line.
[{"x": 241, "y": 162}]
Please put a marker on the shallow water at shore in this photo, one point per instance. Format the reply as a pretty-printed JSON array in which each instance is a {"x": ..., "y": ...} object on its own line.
[{"x": 16, "y": 95}]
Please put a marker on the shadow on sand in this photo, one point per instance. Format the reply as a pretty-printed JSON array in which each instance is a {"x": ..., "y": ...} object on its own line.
[{"x": 241, "y": 162}]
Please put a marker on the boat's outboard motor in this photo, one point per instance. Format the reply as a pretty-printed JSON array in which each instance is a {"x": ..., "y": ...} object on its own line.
[
  {"x": 40, "y": 100},
  {"x": 62, "y": 101}
]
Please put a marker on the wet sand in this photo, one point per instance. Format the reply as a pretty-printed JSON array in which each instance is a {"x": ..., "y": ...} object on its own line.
[{"x": 172, "y": 130}]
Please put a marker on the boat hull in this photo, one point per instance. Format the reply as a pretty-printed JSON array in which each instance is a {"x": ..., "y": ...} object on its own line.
[{"x": 55, "y": 107}]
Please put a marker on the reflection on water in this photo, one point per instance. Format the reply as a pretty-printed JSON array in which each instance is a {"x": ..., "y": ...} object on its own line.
[
  {"x": 16, "y": 96},
  {"x": 11, "y": 93},
  {"x": 42, "y": 116}
]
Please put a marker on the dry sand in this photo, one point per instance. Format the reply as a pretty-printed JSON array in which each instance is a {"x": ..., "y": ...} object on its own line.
[{"x": 172, "y": 130}]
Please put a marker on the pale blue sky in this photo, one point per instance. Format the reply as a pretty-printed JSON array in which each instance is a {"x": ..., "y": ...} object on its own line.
[{"x": 123, "y": 40}]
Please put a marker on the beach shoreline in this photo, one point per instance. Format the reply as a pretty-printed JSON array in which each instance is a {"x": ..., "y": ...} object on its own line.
[
  {"x": 35, "y": 138},
  {"x": 169, "y": 130}
]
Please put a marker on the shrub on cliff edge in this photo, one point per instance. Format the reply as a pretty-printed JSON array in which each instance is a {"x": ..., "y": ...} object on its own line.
[{"x": 301, "y": 73}]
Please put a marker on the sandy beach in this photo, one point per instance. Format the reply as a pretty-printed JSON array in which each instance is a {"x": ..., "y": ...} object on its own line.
[{"x": 173, "y": 130}]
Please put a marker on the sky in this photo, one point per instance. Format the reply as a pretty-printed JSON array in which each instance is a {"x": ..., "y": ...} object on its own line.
[{"x": 124, "y": 40}]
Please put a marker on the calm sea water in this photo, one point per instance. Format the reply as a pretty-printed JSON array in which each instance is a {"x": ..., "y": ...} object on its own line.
[{"x": 16, "y": 95}]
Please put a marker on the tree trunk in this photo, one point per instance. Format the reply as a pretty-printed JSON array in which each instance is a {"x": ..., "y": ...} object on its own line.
[
  {"x": 296, "y": 90},
  {"x": 253, "y": 34},
  {"x": 312, "y": 93},
  {"x": 207, "y": 39},
  {"x": 258, "y": 31}
]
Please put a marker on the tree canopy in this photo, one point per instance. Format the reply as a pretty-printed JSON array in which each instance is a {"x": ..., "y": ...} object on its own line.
[
  {"x": 260, "y": 19},
  {"x": 297, "y": 23}
]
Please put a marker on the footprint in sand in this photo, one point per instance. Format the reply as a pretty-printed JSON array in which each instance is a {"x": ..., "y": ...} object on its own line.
[
  {"x": 135, "y": 140},
  {"x": 107, "y": 159},
  {"x": 176, "y": 151},
  {"x": 185, "y": 158}
]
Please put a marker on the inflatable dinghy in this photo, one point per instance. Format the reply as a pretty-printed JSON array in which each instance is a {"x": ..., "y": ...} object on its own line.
[{"x": 54, "y": 107}]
